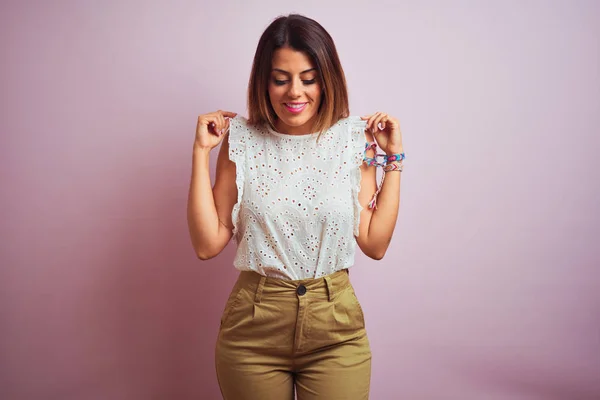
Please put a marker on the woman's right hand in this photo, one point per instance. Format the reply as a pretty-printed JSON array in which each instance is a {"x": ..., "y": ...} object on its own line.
[{"x": 211, "y": 128}]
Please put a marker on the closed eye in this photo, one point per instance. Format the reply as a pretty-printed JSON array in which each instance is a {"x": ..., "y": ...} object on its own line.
[{"x": 306, "y": 82}]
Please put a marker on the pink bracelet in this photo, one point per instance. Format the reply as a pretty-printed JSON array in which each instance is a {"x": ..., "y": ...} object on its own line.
[{"x": 393, "y": 166}]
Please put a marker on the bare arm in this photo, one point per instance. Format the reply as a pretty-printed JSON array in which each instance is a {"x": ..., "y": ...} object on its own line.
[
  {"x": 209, "y": 208},
  {"x": 377, "y": 225}
]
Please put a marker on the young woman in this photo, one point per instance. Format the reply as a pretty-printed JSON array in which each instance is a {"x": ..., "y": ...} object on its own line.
[{"x": 296, "y": 189}]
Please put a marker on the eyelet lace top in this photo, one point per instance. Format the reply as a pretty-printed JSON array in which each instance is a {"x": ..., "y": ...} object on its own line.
[{"x": 297, "y": 209}]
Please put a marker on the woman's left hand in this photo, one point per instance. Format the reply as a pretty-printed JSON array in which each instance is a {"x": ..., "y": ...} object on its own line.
[{"x": 386, "y": 131}]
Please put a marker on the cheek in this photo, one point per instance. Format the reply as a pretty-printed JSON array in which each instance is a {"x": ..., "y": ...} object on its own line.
[
  {"x": 275, "y": 93},
  {"x": 315, "y": 93}
]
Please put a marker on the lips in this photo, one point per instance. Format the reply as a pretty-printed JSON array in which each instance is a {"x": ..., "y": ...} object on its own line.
[{"x": 295, "y": 108}]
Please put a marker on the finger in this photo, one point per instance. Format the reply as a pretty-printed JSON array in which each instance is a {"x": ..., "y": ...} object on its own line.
[
  {"x": 371, "y": 122},
  {"x": 228, "y": 114},
  {"x": 224, "y": 125},
  {"x": 369, "y": 119},
  {"x": 220, "y": 124},
  {"x": 208, "y": 120},
  {"x": 383, "y": 122},
  {"x": 378, "y": 121},
  {"x": 215, "y": 129},
  {"x": 366, "y": 117}
]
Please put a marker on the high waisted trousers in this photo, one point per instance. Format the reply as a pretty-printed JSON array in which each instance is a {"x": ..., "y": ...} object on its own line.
[{"x": 279, "y": 335}]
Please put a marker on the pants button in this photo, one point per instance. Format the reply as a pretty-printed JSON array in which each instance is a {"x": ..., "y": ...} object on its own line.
[{"x": 301, "y": 290}]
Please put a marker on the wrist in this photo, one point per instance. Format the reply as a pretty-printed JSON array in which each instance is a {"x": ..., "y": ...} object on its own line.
[
  {"x": 393, "y": 166},
  {"x": 398, "y": 150},
  {"x": 201, "y": 149}
]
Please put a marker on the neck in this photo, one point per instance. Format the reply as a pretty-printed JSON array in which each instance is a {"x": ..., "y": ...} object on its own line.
[{"x": 303, "y": 129}]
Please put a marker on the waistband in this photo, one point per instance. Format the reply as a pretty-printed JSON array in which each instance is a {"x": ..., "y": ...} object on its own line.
[{"x": 325, "y": 287}]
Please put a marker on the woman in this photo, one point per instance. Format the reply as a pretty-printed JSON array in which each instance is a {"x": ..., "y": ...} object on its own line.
[{"x": 296, "y": 188}]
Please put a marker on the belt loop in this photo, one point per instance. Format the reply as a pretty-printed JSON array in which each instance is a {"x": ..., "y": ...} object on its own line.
[
  {"x": 259, "y": 289},
  {"x": 330, "y": 291}
]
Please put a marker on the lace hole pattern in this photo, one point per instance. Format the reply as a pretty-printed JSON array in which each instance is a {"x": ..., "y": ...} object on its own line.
[{"x": 297, "y": 198}]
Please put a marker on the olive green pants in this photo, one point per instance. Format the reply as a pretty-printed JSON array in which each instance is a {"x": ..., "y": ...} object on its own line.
[{"x": 277, "y": 336}]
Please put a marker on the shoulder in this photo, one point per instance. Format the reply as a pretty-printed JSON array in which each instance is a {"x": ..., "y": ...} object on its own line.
[
  {"x": 356, "y": 127},
  {"x": 353, "y": 124},
  {"x": 239, "y": 121},
  {"x": 241, "y": 126},
  {"x": 236, "y": 137},
  {"x": 244, "y": 135}
]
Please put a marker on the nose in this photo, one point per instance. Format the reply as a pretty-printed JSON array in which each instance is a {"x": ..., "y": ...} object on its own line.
[{"x": 295, "y": 89}]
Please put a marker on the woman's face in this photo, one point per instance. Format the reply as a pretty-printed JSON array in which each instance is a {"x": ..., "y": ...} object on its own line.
[{"x": 294, "y": 91}]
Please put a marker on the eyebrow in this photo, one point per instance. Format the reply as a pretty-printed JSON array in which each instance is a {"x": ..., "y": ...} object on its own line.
[{"x": 286, "y": 72}]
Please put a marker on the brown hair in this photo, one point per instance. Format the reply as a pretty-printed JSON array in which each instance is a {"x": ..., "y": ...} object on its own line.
[{"x": 307, "y": 35}]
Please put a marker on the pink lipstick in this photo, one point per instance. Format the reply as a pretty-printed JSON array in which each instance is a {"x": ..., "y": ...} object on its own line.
[{"x": 295, "y": 108}]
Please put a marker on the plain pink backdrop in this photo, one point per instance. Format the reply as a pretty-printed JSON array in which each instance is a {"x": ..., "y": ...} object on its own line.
[{"x": 490, "y": 289}]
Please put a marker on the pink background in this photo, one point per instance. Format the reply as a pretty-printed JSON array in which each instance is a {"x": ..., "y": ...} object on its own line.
[{"x": 490, "y": 289}]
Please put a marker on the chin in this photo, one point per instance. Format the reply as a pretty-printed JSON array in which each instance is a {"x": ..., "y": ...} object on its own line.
[{"x": 295, "y": 120}]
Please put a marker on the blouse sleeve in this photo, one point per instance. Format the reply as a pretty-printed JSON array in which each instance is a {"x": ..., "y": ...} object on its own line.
[
  {"x": 237, "y": 154},
  {"x": 357, "y": 133}
]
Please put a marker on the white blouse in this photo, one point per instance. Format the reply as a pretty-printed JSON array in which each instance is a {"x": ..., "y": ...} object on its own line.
[{"x": 297, "y": 209}]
